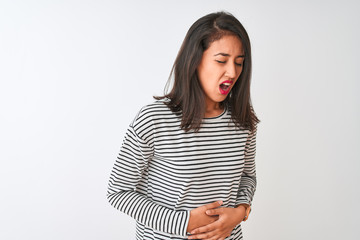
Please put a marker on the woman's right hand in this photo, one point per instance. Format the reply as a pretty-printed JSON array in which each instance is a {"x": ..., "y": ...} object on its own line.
[{"x": 199, "y": 218}]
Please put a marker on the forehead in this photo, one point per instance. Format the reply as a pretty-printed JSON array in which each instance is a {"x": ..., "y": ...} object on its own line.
[{"x": 229, "y": 44}]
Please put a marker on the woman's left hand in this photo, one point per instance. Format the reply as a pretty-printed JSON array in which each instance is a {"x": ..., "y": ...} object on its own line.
[{"x": 222, "y": 228}]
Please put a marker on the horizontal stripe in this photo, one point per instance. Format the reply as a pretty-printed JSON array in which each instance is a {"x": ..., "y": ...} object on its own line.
[{"x": 162, "y": 172}]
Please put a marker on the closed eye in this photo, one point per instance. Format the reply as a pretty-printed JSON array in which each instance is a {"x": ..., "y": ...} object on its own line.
[{"x": 238, "y": 64}]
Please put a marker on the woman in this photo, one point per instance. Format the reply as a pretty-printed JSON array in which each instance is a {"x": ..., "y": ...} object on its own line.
[{"x": 186, "y": 168}]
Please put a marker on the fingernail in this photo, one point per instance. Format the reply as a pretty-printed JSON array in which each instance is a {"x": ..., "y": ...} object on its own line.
[
  {"x": 220, "y": 202},
  {"x": 207, "y": 212}
]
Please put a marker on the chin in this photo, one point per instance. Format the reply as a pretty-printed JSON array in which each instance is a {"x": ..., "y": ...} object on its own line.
[{"x": 220, "y": 100}]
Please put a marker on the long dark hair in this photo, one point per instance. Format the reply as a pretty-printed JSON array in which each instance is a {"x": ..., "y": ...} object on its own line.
[{"x": 186, "y": 96}]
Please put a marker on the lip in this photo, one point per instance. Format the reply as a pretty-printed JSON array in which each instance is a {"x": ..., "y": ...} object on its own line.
[
  {"x": 227, "y": 81},
  {"x": 224, "y": 92}
]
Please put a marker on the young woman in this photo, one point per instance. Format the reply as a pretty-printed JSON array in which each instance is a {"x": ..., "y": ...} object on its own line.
[{"x": 186, "y": 168}]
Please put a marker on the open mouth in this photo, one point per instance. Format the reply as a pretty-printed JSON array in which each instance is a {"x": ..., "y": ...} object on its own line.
[{"x": 225, "y": 87}]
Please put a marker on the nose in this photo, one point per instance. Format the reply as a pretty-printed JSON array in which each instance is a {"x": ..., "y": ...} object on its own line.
[{"x": 230, "y": 70}]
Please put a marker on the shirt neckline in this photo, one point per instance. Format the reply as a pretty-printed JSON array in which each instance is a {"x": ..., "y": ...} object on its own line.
[{"x": 216, "y": 117}]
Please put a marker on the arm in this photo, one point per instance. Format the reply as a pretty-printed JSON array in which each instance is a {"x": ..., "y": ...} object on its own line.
[
  {"x": 125, "y": 178},
  {"x": 248, "y": 179}
]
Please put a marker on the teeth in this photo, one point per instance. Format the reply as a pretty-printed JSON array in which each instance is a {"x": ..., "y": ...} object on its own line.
[{"x": 227, "y": 84}]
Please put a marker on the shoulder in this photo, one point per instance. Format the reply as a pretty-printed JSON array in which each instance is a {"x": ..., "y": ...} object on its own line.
[
  {"x": 151, "y": 111},
  {"x": 155, "y": 107}
]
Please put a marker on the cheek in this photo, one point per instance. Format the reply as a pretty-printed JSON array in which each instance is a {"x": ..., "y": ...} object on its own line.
[
  {"x": 208, "y": 70},
  {"x": 239, "y": 73},
  {"x": 207, "y": 74}
]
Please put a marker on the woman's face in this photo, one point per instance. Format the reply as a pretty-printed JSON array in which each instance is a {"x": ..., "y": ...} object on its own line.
[{"x": 220, "y": 67}]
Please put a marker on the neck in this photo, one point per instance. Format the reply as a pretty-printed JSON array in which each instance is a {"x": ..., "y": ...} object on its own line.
[{"x": 213, "y": 109}]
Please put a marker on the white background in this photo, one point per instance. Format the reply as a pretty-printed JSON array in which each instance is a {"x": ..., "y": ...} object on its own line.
[{"x": 74, "y": 73}]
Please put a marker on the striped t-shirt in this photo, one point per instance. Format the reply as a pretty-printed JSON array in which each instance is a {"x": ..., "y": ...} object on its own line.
[{"x": 163, "y": 172}]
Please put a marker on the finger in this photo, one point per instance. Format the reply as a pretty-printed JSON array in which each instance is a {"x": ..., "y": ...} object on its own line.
[
  {"x": 212, "y": 238},
  {"x": 213, "y": 205},
  {"x": 207, "y": 228},
  {"x": 206, "y": 235},
  {"x": 216, "y": 211},
  {"x": 216, "y": 237},
  {"x": 248, "y": 211}
]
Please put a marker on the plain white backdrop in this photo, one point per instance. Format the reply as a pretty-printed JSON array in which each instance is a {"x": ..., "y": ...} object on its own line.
[{"x": 74, "y": 73}]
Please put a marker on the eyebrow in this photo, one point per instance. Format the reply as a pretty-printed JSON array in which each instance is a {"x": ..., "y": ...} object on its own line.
[{"x": 228, "y": 55}]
